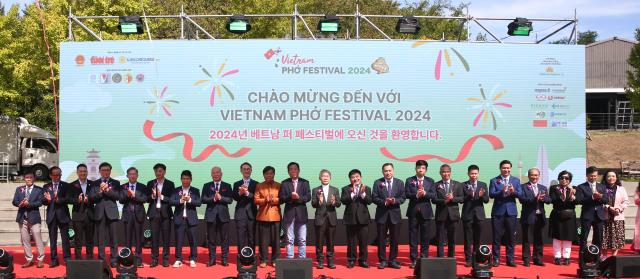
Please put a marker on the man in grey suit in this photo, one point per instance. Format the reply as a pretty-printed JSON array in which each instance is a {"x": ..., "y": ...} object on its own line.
[
  {"x": 448, "y": 194},
  {"x": 388, "y": 195},
  {"x": 28, "y": 199},
  {"x": 325, "y": 200},
  {"x": 476, "y": 194}
]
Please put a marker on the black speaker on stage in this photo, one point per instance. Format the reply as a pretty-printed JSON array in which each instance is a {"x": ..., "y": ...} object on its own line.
[
  {"x": 620, "y": 267},
  {"x": 88, "y": 269},
  {"x": 437, "y": 268},
  {"x": 294, "y": 268}
]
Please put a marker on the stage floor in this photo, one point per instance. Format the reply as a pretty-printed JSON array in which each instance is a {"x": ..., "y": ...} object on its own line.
[{"x": 218, "y": 271}]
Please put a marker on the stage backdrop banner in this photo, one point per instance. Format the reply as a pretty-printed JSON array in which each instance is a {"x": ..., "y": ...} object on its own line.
[{"x": 335, "y": 105}]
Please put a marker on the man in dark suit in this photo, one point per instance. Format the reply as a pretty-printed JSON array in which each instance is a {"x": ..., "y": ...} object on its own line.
[
  {"x": 133, "y": 197},
  {"x": 104, "y": 193},
  {"x": 504, "y": 189},
  {"x": 186, "y": 200},
  {"x": 476, "y": 195},
  {"x": 356, "y": 197},
  {"x": 295, "y": 193},
  {"x": 532, "y": 217},
  {"x": 159, "y": 191},
  {"x": 592, "y": 196},
  {"x": 82, "y": 213},
  {"x": 217, "y": 195},
  {"x": 388, "y": 195},
  {"x": 245, "y": 210},
  {"x": 28, "y": 199},
  {"x": 420, "y": 190},
  {"x": 325, "y": 200},
  {"x": 449, "y": 193},
  {"x": 56, "y": 197}
]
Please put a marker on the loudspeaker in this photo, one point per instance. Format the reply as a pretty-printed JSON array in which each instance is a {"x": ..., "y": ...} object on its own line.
[
  {"x": 621, "y": 266},
  {"x": 438, "y": 268},
  {"x": 88, "y": 269},
  {"x": 294, "y": 268}
]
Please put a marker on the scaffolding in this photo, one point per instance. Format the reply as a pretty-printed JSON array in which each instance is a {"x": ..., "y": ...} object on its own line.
[{"x": 188, "y": 21}]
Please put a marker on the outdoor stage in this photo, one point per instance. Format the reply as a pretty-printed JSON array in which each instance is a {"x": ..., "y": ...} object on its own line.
[{"x": 218, "y": 271}]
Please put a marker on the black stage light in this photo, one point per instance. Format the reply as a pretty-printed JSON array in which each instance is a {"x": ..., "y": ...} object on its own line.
[
  {"x": 6, "y": 265},
  {"x": 329, "y": 24},
  {"x": 408, "y": 25},
  {"x": 130, "y": 25},
  {"x": 519, "y": 27},
  {"x": 127, "y": 268},
  {"x": 247, "y": 264},
  {"x": 146, "y": 242},
  {"x": 589, "y": 261},
  {"x": 482, "y": 262},
  {"x": 238, "y": 24}
]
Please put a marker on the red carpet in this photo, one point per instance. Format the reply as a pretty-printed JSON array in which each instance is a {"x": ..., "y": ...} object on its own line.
[{"x": 218, "y": 271}]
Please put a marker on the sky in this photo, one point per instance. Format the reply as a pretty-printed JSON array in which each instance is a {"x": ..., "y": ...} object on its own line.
[{"x": 608, "y": 17}]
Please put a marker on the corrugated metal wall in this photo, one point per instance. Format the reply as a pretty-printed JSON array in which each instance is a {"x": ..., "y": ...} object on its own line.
[{"x": 606, "y": 63}]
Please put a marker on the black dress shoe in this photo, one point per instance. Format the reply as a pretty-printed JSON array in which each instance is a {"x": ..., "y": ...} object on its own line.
[
  {"x": 349, "y": 264},
  {"x": 211, "y": 262},
  {"x": 224, "y": 262},
  {"x": 114, "y": 264},
  {"x": 566, "y": 262},
  {"x": 511, "y": 264},
  {"x": 330, "y": 264},
  {"x": 468, "y": 264},
  {"x": 538, "y": 263},
  {"x": 382, "y": 265},
  {"x": 394, "y": 264},
  {"x": 165, "y": 263},
  {"x": 320, "y": 265},
  {"x": 556, "y": 261},
  {"x": 413, "y": 264},
  {"x": 54, "y": 263},
  {"x": 496, "y": 263},
  {"x": 525, "y": 263},
  {"x": 363, "y": 264},
  {"x": 140, "y": 264},
  {"x": 154, "y": 263}
]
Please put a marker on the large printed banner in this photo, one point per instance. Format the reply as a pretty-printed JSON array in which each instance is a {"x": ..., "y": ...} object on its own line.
[{"x": 335, "y": 105}]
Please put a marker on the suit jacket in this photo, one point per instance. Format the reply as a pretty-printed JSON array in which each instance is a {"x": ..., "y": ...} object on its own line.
[
  {"x": 105, "y": 203},
  {"x": 450, "y": 209},
  {"x": 165, "y": 208},
  {"x": 356, "y": 211},
  {"x": 59, "y": 208},
  {"x": 473, "y": 205},
  {"x": 138, "y": 200},
  {"x": 592, "y": 209},
  {"x": 80, "y": 211},
  {"x": 530, "y": 203},
  {"x": 192, "y": 206},
  {"x": 325, "y": 211},
  {"x": 33, "y": 209},
  {"x": 245, "y": 207},
  {"x": 217, "y": 211},
  {"x": 295, "y": 209},
  {"x": 380, "y": 194},
  {"x": 504, "y": 203},
  {"x": 420, "y": 206}
]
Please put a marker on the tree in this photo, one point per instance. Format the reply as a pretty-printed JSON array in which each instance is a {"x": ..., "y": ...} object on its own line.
[
  {"x": 633, "y": 76},
  {"x": 584, "y": 38}
]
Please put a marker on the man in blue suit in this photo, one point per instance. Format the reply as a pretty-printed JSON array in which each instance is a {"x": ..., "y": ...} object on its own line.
[
  {"x": 388, "y": 195},
  {"x": 133, "y": 197},
  {"x": 504, "y": 189},
  {"x": 592, "y": 196},
  {"x": 420, "y": 190},
  {"x": 532, "y": 216},
  {"x": 186, "y": 200},
  {"x": 28, "y": 199},
  {"x": 295, "y": 193},
  {"x": 56, "y": 197},
  {"x": 217, "y": 195}
]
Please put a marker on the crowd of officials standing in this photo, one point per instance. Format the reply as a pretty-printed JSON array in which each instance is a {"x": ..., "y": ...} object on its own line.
[{"x": 258, "y": 216}]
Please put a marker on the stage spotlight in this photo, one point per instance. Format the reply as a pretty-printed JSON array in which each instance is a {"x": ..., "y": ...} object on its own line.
[
  {"x": 482, "y": 262},
  {"x": 127, "y": 268},
  {"x": 130, "y": 25},
  {"x": 6, "y": 265},
  {"x": 238, "y": 24},
  {"x": 519, "y": 27},
  {"x": 146, "y": 242},
  {"x": 329, "y": 24},
  {"x": 589, "y": 261},
  {"x": 247, "y": 264},
  {"x": 408, "y": 25}
]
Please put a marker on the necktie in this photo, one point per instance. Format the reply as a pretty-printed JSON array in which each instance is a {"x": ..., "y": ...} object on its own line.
[
  {"x": 27, "y": 197},
  {"x": 55, "y": 188},
  {"x": 389, "y": 186},
  {"x": 133, "y": 188},
  {"x": 28, "y": 192},
  {"x": 446, "y": 186},
  {"x": 217, "y": 188},
  {"x": 295, "y": 185},
  {"x": 356, "y": 190},
  {"x": 535, "y": 189},
  {"x": 420, "y": 184}
]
